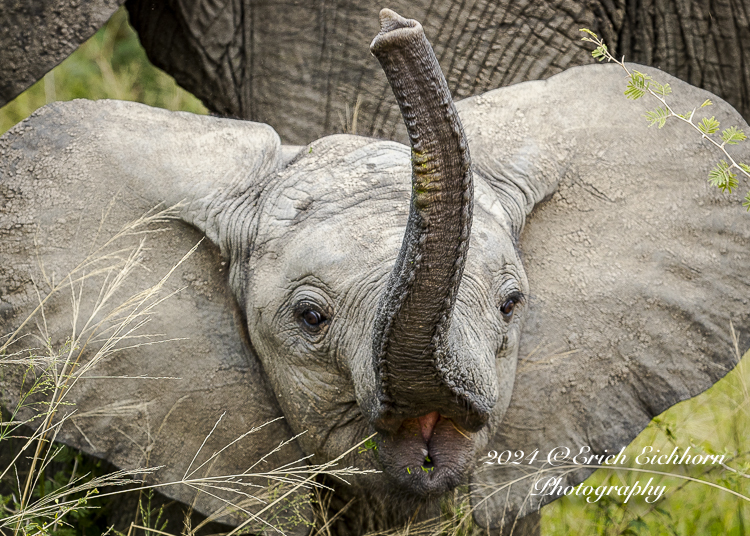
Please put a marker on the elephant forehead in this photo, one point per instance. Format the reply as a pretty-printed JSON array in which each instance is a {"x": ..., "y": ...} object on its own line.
[
  {"x": 341, "y": 251},
  {"x": 339, "y": 175},
  {"x": 340, "y": 210}
]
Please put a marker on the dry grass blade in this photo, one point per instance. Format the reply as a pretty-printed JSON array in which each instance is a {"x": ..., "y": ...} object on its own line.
[
  {"x": 53, "y": 376},
  {"x": 53, "y": 506}
]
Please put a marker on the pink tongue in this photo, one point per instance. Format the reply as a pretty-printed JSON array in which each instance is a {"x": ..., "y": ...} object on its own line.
[{"x": 427, "y": 424}]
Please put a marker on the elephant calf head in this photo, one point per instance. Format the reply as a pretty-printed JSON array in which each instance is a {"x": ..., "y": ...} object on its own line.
[
  {"x": 327, "y": 301},
  {"x": 416, "y": 355}
]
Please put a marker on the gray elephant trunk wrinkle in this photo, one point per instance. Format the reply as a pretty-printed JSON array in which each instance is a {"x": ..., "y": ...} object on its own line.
[{"x": 413, "y": 355}]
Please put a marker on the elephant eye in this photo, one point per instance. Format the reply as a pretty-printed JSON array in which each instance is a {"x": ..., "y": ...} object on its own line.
[
  {"x": 311, "y": 317},
  {"x": 509, "y": 305}
]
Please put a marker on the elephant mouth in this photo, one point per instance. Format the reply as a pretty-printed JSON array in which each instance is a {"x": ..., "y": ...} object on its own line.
[{"x": 427, "y": 456}]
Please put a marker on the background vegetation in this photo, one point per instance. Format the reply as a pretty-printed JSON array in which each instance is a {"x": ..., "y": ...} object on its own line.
[
  {"x": 113, "y": 65},
  {"x": 110, "y": 65}
]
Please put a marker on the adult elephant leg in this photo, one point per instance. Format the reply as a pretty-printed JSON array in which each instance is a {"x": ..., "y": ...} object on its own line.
[
  {"x": 306, "y": 69},
  {"x": 36, "y": 35}
]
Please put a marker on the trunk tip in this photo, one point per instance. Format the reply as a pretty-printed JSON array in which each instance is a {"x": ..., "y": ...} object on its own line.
[
  {"x": 395, "y": 32},
  {"x": 390, "y": 20}
]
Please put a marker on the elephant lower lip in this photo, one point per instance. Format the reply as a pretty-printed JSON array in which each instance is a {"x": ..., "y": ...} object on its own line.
[{"x": 427, "y": 456}]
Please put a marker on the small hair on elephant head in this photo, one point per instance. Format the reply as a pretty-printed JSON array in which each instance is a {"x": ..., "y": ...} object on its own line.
[{"x": 517, "y": 279}]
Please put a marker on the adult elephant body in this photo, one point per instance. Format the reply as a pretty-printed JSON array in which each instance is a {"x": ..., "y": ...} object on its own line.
[{"x": 303, "y": 67}]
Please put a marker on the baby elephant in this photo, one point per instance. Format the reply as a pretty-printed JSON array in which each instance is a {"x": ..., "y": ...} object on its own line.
[{"x": 560, "y": 275}]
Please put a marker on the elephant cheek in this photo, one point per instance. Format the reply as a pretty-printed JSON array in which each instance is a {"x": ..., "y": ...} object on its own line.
[{"x": 427, "y": 462}]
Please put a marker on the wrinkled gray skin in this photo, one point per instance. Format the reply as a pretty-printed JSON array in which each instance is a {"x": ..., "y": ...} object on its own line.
[
  {"x": 632, "y": 270},
  {"x": 299, "y": 66},
  {"x": 36, "y": 35}
]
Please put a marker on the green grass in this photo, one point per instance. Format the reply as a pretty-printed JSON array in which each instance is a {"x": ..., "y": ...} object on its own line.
[{"x": 110, "y": 65}]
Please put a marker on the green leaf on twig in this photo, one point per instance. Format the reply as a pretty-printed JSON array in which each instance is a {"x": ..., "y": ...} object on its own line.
[
  {"x": 708, "y": 126},
  {"x": 733, "y": 135},
  {"x": 722, "y": 177},
  {"x": 658, "y": 116},
  {"x": 661, "y": 90},
  {"x": 637, "y": 85},
  {"x": 592, "y": 34},
  {"x": 600, "y": 52}
]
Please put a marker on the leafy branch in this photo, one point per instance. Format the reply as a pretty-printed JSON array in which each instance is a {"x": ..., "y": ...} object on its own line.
[{"x": 724, "y": 173}]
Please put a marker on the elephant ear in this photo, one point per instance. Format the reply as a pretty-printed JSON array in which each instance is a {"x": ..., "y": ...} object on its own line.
[
  {"x": 638, "y": 269},
  {"x": 101, "y": 288}
]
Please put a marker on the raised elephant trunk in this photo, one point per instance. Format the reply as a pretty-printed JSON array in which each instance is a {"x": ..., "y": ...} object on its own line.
[{"x": 412, "y": 354}]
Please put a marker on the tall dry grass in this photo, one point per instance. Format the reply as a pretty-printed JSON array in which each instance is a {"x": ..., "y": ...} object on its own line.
[{"x": 46, "y": 377}]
